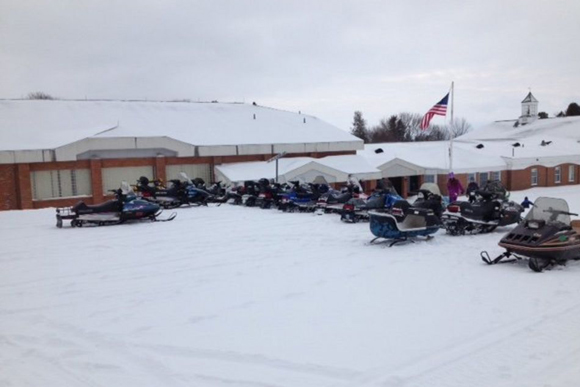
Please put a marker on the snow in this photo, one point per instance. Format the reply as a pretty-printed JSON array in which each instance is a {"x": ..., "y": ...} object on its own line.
[
  {"x": 550, "y": 128},
  {"x": 239, "y": 172},
  {"x": 341, "y": 166},
  {"x": 234, "y": 296},
  {"x": 49, "y": 124},
  {"x": 434, "y": 155},
  {"x": 495, "y": 155}
]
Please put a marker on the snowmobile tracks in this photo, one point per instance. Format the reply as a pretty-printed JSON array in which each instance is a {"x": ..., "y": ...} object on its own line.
[
  {"x": 506, "y": 356},
  {"x": 152, "y": 360}
]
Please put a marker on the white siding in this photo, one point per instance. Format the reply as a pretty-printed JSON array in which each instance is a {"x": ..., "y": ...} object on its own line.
[
  {"x": 192, "y": 171},
  {"x": 60, "y": 183},
  {"x": 113, "y": 177}
]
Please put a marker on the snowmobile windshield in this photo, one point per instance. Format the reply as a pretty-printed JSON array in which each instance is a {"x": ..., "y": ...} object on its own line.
[
  {"x": 431, "y": 187},
  {"x": 497, "y": 188},
  {"x": 184, "y": 177},
  {"x": 126, "y": 188},
  {"x": 550, "y": 210},
  {"x": 354, "y": 181}
]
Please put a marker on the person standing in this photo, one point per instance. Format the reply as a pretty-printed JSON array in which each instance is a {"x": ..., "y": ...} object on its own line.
[{"x": 454, "y": 187}]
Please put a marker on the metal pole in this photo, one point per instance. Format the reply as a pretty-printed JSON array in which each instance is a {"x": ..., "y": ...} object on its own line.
[
  {"x": 276, "y": 170},
  {"x": 451, "y": 124}
]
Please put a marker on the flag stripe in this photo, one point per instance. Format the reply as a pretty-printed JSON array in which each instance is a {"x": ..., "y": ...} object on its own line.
[{"x": 440, "y": 109}]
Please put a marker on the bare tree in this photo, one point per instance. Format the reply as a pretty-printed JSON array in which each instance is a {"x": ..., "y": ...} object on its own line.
[
  {"x": 459, "y": 127},
  {"x": 39, "y": 95}
]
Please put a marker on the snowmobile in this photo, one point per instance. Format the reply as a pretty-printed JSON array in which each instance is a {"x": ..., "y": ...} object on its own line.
[
  {"x": 251, "y": 192},
  {"x": 301, "y": 197},
  {"x": 155, "y": 192},
  {"x": 195, "y": 192},
  {"x": 546, "y": 237},
  {"x": 403, "y": 223},
  {"x": 269, "y": 193},
  {"x": 125, "y": 207},
  {"x": 357, "y": 209},
  {"x": 429, "y": 196},
  {"x": 490, "y": 210},
  {"x": 333, "y": 200}
]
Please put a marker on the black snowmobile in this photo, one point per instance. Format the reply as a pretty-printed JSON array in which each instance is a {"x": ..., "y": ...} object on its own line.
[
  {"x": 546, "y": 237},
  {"x": 429, "y": 196},
  {"x": 333, "y": 201},
  {"x": 251, "y": 192},
  {"x": 126, "y": 206},
  {"x": 155, "y": 192},
  {"x": 490, "y": 210},
  {"x": 270, "y": 193}
]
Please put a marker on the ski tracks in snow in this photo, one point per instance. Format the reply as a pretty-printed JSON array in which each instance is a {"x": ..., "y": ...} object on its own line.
[
  {"x": 546, "y": 347},
  {"x": 156, "y": 363}
]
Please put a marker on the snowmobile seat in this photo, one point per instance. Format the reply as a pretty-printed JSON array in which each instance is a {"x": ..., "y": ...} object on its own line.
[
  {"x": 108, "y": 206},
  {"x": 341, "y": 198},
  {"x": 375, "y": 202},
  {"x": 485, "y": 195}
]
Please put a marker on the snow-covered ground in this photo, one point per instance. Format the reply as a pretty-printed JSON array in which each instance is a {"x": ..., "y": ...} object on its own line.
[{"x": 232, "y": 296}]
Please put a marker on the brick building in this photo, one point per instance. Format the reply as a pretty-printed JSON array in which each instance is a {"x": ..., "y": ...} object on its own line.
[{"x": 54, "y": 152}]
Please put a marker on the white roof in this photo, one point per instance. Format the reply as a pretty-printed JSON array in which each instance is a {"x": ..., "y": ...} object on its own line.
[
  {"x": 434, "y": 156},
  {"x": 340, "y": 167},
  {"x": 547, "y": 129},
  {"x": 255, "y": 170},
  {"x": 495, "y": 155},
  {"x": 47, "y": 124}
]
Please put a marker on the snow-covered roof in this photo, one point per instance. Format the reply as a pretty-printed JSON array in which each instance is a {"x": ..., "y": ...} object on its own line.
[
  {"x": 48, "y": 124},
  {"x": 475, "y": 155},
  {"x": 338, "y": 167},
  {"x": 433, "y": 156},
  {"x": 549, "y": 128},
  {"x": 238, "y": 172}
]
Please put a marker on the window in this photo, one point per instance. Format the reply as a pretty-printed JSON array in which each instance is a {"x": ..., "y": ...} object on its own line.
[
  {"x": 571, "y": 173},
  {"x": 557, "y": 175},
  {"x": 534, "y": 176},
  {"x": 496, "y": 176},
  {"x": 429, "y": 179},
  {"x": 483, "y": 178},
  {"x": 60, "y": 183},
  {"x": 114, "y": 177},
  {"x": 191, "y": 170}
]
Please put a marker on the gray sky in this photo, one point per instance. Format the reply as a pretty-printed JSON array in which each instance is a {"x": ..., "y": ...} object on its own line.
[{"x": 326, "y": 58}]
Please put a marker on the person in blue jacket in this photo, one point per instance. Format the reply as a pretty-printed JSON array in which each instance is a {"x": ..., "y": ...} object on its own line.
[{"x": 527, "y": 203}]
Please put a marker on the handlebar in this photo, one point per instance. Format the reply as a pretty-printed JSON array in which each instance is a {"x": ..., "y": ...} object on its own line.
[{"x": 552, "y": 211}]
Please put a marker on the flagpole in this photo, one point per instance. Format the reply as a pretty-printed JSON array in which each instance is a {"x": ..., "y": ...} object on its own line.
[{"x": 451, "y": 127}]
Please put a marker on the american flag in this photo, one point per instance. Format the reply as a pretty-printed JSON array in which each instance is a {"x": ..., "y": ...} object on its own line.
[{"x": 440, "y": 109}]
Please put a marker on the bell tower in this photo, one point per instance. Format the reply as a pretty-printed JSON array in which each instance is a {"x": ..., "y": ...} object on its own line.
[{"x": 529, "y": 110}]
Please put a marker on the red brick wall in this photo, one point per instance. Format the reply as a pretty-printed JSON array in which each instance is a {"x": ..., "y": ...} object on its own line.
[
  {"x": 8, "y": 189},
  {"x": 23, "y": 186}
]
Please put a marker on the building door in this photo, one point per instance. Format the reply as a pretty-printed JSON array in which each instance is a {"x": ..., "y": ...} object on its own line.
[
  {"x": 413, "y": 183},
  {"x": 397, "y": 184}
]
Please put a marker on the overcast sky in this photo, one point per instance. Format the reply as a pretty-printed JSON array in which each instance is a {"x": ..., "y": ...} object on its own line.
[{"x": 326, "y": 58}]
